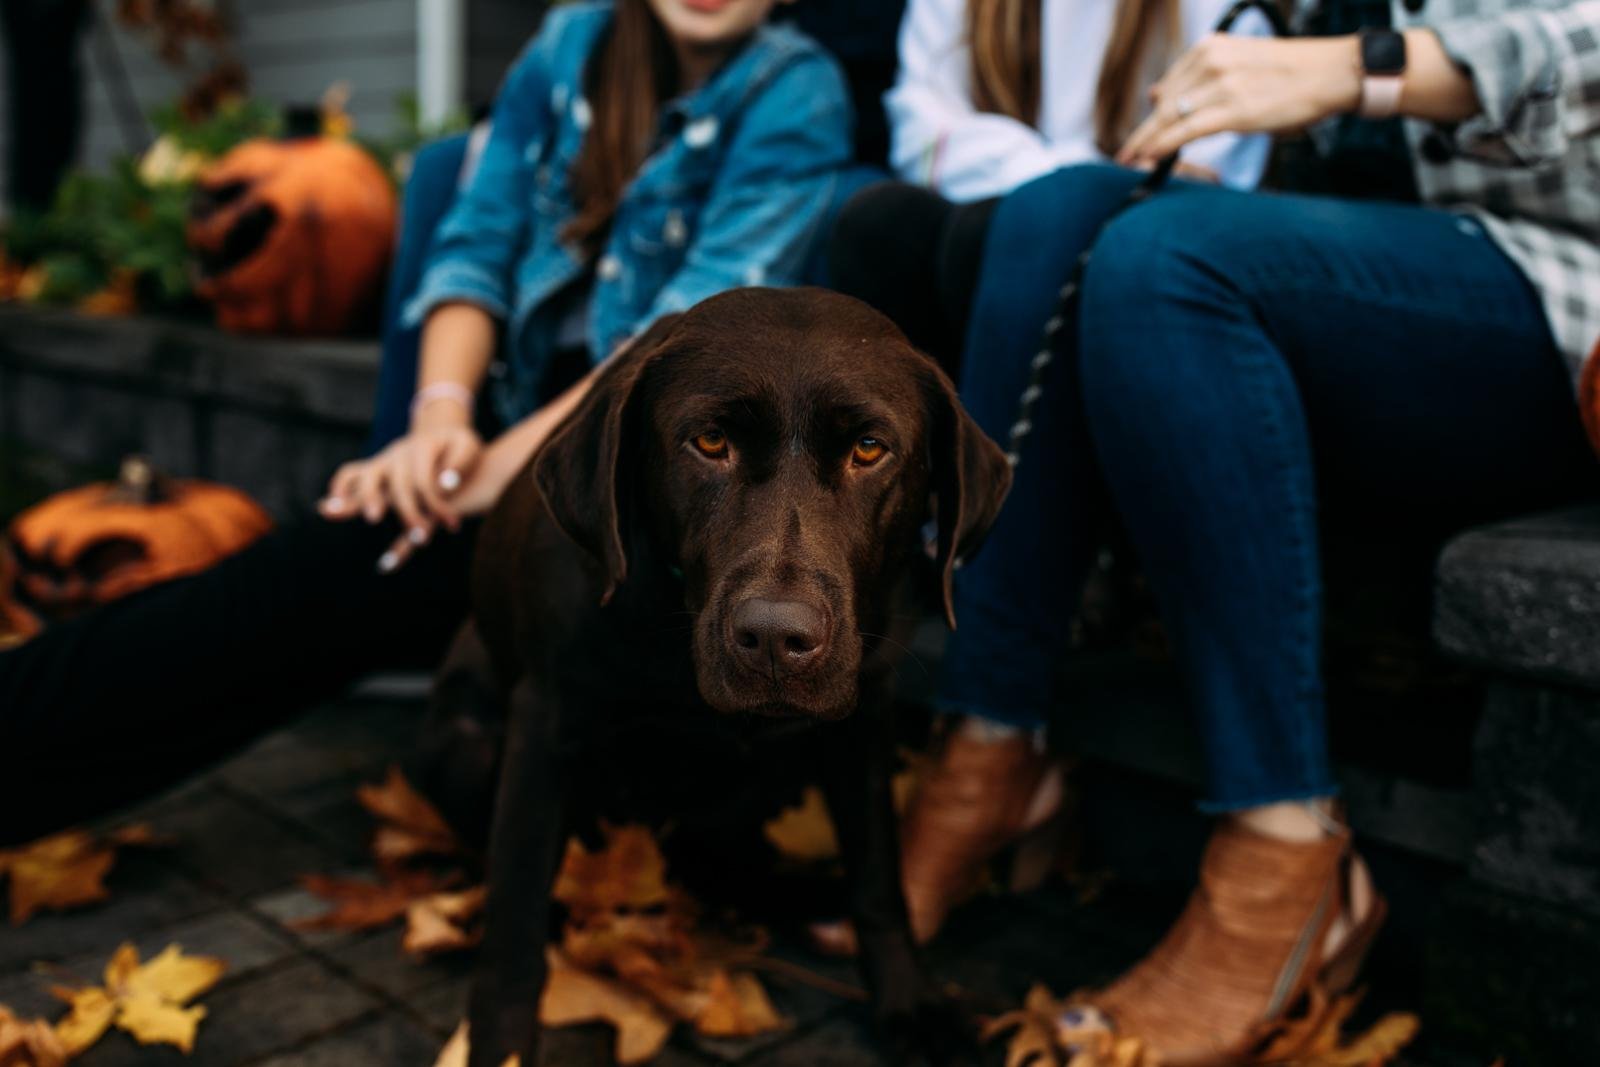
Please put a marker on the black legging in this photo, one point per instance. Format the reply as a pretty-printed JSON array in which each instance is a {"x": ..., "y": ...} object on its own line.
[
  {"x": 914, "y": 256},
  {"x": 107, "y": 708}
]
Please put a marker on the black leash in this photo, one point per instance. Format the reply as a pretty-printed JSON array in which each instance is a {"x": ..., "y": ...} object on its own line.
[{"x": 1067, "y": 304}]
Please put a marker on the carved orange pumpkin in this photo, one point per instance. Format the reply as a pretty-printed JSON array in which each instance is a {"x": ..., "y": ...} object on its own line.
[
  {"x": 293, "y": 236},
  {"x": 17, "y": 623},
  {"x": 91, "y": 545}
]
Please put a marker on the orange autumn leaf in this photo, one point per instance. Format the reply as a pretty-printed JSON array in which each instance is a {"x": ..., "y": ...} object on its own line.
[
  {"x": 628, "y": 873},
  {"x": 410, "y": 826},
  {"x": 150, "y": 1000},
  {"x": 454, "y": 1053},
  {"x": 573, "y": 996},
  {"x": 438, "y": 922},
  {"x": 804, "y": 833},
  {"x": 1041, "y": 1037},
  {"x": 358, "y": 904},
  {"x": 118, "y": 298},
  {"x": 29, "y": 1042},
  {"x": 65, "y": 870},
  {"x": 737, "y": 1006}
]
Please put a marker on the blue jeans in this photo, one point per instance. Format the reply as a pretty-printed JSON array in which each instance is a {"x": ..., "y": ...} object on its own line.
[{"x": 1245, "y": 362}]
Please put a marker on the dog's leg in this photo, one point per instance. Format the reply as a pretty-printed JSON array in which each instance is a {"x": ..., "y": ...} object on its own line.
[
  {"x": 525, "y": 849},
  {"x": 857, "y": 771},
  {"x": 456, "y": 759}
]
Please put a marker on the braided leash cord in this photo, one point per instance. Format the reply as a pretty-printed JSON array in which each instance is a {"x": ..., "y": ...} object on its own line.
[{"x": 1067, "y": 302}]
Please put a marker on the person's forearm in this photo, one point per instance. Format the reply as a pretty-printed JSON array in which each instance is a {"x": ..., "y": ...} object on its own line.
[
  {"x": 458, "y": 341},
  {"x": 1435, "y": 88}
]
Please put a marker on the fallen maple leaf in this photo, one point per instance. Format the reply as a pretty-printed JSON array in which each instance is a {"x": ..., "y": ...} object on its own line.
[
  {"x": 437, "y": 923},
  {"x": 29, "y": 1042},
  {"x": 573, "y": 996},
  {"x": 454, "y": 1053},
  {"x": 737, "y": 1006},
  {"x": 150, "y": 1001},
  {"x": 628, "y": 874},
  {"x": 65, "y": 870},
  {"x": 363, "y": 905},
  {"x": 1042, "y": 1037},
  {"x": 410, "y": 825},
  {"x": 804, "y": 833}
]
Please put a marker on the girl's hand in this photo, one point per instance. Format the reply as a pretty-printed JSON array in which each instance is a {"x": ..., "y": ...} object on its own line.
[
  {"x": 1246, "y": 85},
  {"x": 419, "y": 477}
]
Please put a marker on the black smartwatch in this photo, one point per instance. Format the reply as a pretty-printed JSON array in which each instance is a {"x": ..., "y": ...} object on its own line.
[{"x": 1383, "y": 68}]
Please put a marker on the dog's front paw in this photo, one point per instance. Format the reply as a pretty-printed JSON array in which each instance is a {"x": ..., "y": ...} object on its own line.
[{"x": 938, "y": 1032}]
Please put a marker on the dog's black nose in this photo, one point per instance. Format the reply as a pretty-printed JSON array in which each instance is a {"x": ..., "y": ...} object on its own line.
[{"x": 782, "y": 635}]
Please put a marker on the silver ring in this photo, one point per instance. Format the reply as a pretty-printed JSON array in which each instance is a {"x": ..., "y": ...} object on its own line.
[{"x": 1185, "y": 107}]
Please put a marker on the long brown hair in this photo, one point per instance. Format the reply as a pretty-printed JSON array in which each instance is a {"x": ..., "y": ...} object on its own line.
[
  {"x": 631, "y": 72},
  {"x": 1007, "y": 71}
]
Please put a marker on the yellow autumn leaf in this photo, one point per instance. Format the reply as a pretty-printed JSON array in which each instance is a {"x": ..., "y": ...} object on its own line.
[
  {"x": 148, "y": 1000},
  {"x": 89, "y": 1016},
  {"x": 155, "y": 1021},
  {"x": 454, "y": 1053},
  {"x": 29, "y": 1042},
  {"x": 805, "y": 832}
]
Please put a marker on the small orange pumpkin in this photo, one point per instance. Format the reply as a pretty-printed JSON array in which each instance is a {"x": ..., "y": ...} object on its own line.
[
  {"x": 293, "y": 236},
  {"x": 92, "y": 545},
  {"x": 17, "y": 623}
]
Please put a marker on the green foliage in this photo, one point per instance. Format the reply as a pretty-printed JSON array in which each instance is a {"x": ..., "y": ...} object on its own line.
[
  {"x": 234, "y": 121},
  {"x": 103, "y": 224}
]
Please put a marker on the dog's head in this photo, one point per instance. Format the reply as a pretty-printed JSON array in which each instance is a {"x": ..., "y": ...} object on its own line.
[{"x": 780, "y": 448}]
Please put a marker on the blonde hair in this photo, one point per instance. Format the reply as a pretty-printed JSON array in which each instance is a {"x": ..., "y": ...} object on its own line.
[{"x": 1004, "y": 38}]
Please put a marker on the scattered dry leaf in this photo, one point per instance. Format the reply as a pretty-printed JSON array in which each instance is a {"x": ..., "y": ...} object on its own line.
[
  {"x": 362, "y": 905},
  {"x": 29, "y": 1042},
  {"x": 628, "y": 874},
  {"x": 120, "y": 297},
  {"x": 573, "y": 996},
  {"x": 737, "y": 1006},
  {"x": 454, "y": 1053},
  {"x": 438, "y": 923},
  {"x": 150, "y": 1000},
  {"x": 1041, "y": 1037},
  {"x": 65, "y": 870},
  {"x": 411, "y": 826},
  {"x": 804, "y": 833}
]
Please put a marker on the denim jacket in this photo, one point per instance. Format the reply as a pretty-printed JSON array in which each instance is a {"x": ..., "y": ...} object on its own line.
[{"x": 734, "y": 193}]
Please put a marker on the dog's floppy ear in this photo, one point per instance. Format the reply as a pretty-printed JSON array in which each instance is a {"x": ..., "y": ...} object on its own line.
[
  {"x": 580, "y": 471},
  {"x": 970, "y": 481}
]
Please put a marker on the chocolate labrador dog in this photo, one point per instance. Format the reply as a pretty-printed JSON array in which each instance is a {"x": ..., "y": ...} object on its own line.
[{"x": 717, "y": 546}]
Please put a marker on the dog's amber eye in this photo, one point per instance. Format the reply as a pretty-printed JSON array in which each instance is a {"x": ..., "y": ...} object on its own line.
[
  {"x": 868, "y": 451},
  {"x": 712, "y": 444}
]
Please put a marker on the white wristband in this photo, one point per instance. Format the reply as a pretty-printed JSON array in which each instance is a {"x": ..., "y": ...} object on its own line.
[
  {"x": 1380, "y": 95},
  {"x": 442, "y": 391}
]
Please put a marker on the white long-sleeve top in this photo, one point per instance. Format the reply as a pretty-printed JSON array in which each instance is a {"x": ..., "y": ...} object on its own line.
[{"x": 941, "y": 140}]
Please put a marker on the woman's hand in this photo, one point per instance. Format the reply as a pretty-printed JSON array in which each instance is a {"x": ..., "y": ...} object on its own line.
[
  {"x": 416, "y": 476},
  {"x": 1246, "y": 85}
]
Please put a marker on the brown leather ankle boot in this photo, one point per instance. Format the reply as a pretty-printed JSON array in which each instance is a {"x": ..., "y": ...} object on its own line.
[
  {"x": 989, "y": 789},
  {"x": 1245, "y": 973}
]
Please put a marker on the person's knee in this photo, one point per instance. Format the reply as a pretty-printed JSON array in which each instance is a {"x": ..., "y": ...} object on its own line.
[
  {"x": 1046, "y": 224},
  {"x": 880, "y": 212},
  {"x": 1151, "y": 269}
]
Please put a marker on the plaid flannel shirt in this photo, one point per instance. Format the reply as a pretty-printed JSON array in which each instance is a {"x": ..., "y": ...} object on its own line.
[{"x": 1528, "y": 167}]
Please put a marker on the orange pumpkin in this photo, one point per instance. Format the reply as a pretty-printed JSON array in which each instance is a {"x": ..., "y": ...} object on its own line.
[
  {"x": 293, "y": 236},
  {"x": 92, "y": 545},
  {"x": 17, "y": 623}
]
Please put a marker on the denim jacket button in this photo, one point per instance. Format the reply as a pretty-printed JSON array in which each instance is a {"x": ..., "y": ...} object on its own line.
[
  {"x": 675, "y": 231},
  {"x": 609, "y": 269},
  {"x": 701, "y": 132},
  {"x": 582, "y": 116}
]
